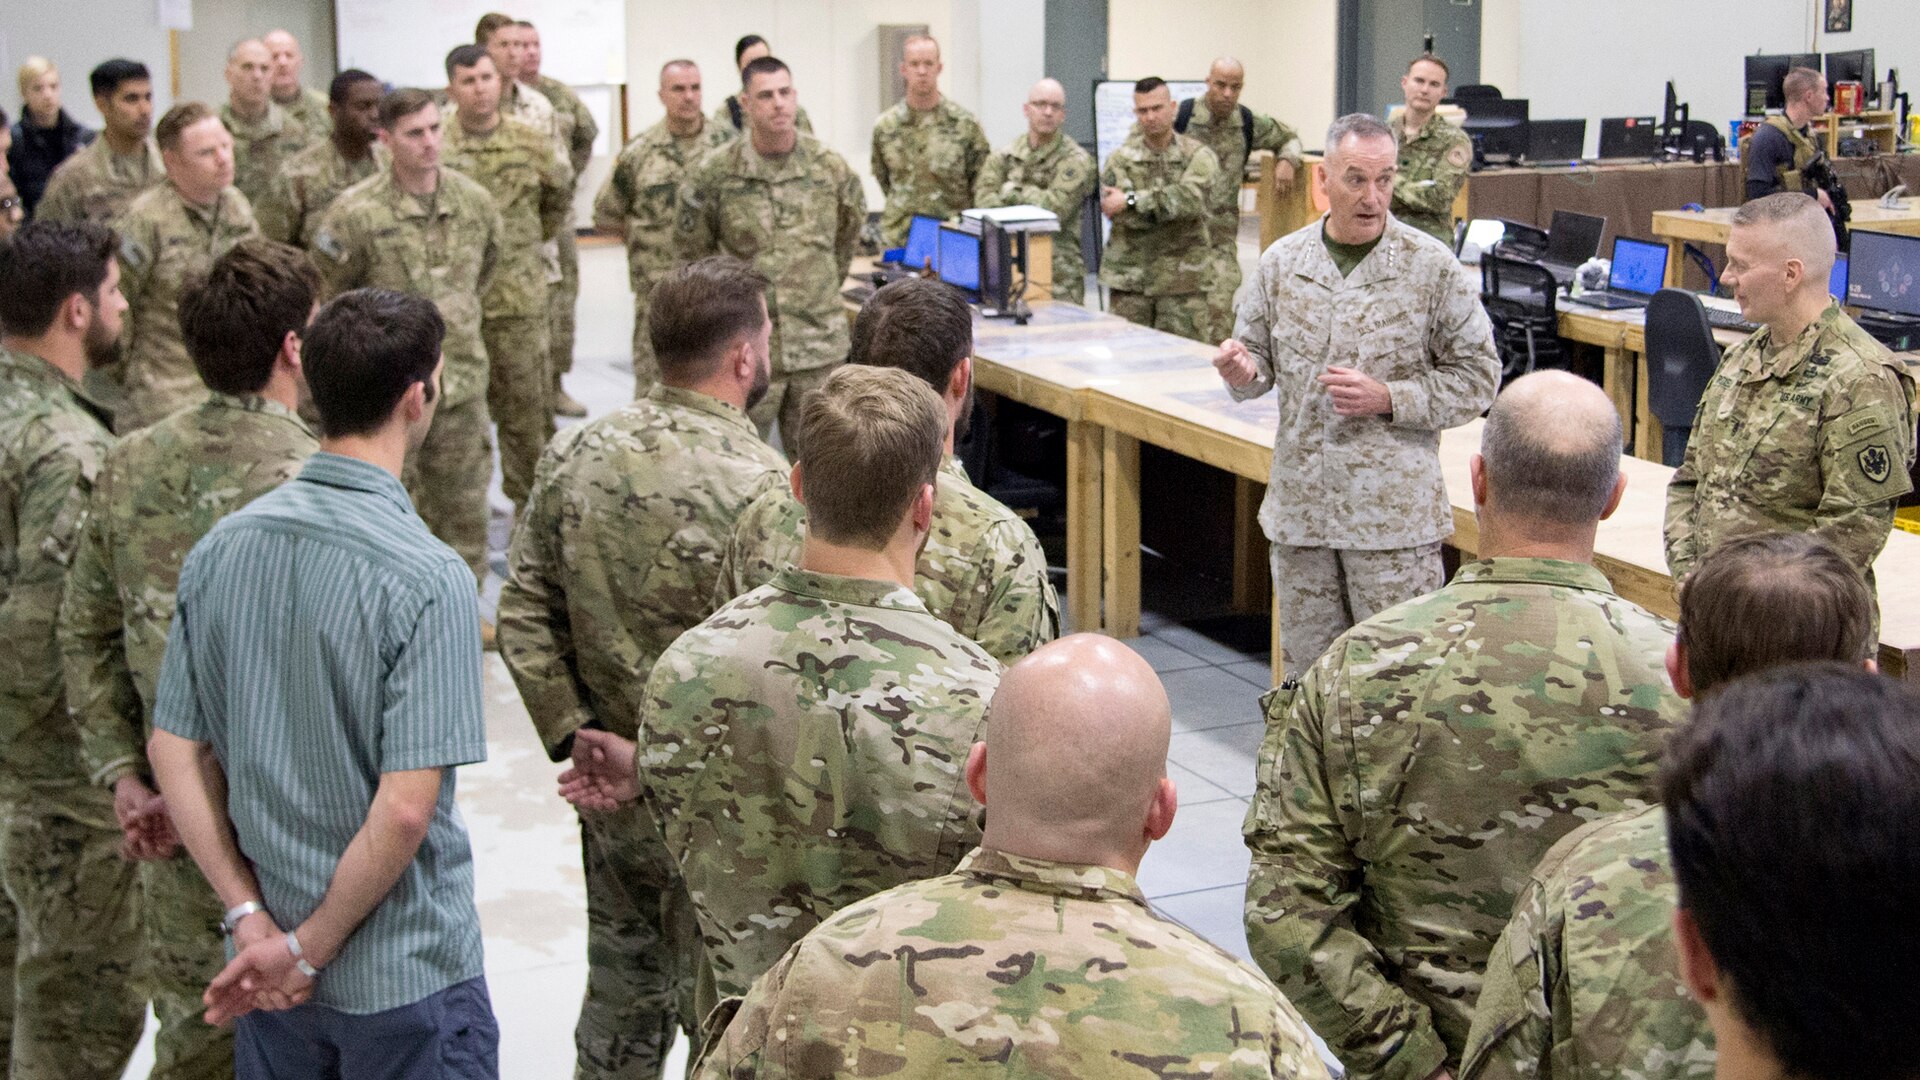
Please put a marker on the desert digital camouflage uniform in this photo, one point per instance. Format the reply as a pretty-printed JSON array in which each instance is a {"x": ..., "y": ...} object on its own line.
[
  {"x": 1159, "y": 261},
  {"x": 69, "y": 924},
  {"x": 736, "y": 125},
  {"x": 533, "y": 190},
  {"x": 261, "y": 147},
  {"x": 1433, "y": 165},
  {"x": 982, "y": 571},
  {"x": 309, "y": 109},
  {"x": 925, "y": 163},
  {"x": 1411, "y": 781},
  {"x": 803, "y": 748},
  {"x": 1584, "y": 984},
  {"x": 160, "y": 490},
  {"x": 1812, "y": 435},
  {"x": 640, "y": 199},
  {"x": 164, "y": 239},
  {"x": 1011, "y": 966},
  {"x": 578, "y": 131},
  {"x": 97, "y": 185},
  {"x": 795, "y": 219},
  {"x": 614, "y": 558},
  {"x": 1227, "y": 138},
  {"x": 1358, "y": 489},
  {"x": 443, "y": 248},
  {"x": 305, "y": 185},
  {"x": 1058, "y": 177}
]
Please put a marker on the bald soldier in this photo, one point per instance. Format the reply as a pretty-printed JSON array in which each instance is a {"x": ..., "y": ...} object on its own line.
[
  {"x": 1044, "y": 916},
  {"x": 307, "y": 106},
  {"x": 926, "y": 149},
  {"x": 264, "y": 134},
  {"x": 1047, "y": 169},
  {"x": 1157, "y": 190},
  {"x": 1435, "y": 156},
  {"x": 1420, "y": 768}
]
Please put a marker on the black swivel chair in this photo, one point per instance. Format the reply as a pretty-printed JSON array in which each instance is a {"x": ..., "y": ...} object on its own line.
[
  {"x": 1527, "y": 243},
  {"x": 1681, "y": 356},
  {"x": 1521, "y": 301},
  {"x": 1472, "y": 91}
]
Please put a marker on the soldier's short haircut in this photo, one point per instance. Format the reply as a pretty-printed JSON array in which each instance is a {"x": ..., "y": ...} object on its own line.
[
  {"x": 44, "y": 263},
  {"x": 234, "y": 49},
  {"x": 1763, "y": 601},
  {"x": 489, "y": 24},
  {"x": 1793, "y": 818},
  {"x": 1781, "y": 206},
  {"x": 235, "y": 315},
  {"x": 465, "y": 56},
  {"x": 678, "y": 61},
  {"x": 526, "y": 24},
  {"x": 1429, "y": 58},
  {"x": 765, "y": 65},
  {"x": 1548, "y": 468},
  {"x": 916, "y": 325},
  {"x": 1800, "y": 82},
  {"x": 343, "y": 84},
  {"x": 166, "y": 133},
  {"x": 402, "y": 103},
  {"x": 871, "y": 438},
  {"x": 1356, "y": 126},
  {"x": 699, "y": 310},
  {"x": 915, "y": 39},
  {"x": 749, "y": 41},
  {"x": 363, "y": 351},
  {"x": 106, "y": 78},
  {"x": 1149, "y": 84}
]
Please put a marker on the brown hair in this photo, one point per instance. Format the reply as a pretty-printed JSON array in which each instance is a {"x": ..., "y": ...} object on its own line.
[
  {"x": 1429, "y": 58},
  {"x": 700, "y": 309},
  {"x": 166, "y": 133},
  {"x": 1763, "y": 601},
  {"x": 489, "y": 23},
  {"x": 871, "y": 438},
  {"x": 235, "y": 315},
  {"x": 1799, "y": 82},
  {"x": 402, "y": 103},
  {"x": 916, "y": 325}
]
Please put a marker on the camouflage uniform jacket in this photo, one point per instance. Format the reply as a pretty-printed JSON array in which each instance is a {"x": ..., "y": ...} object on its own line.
[
  {"x": 1433, "y": 165},
  {"x": 52, "y": 441},
  {"x": 803, "y": 748},
  {"x": 723, "y": 117},
  {"x": 1011, "y": 966},
  {"x": 1815, "y": 437},
  {"x": 98, "y": 185},
  {"x": 1158, "y": 245},
  {"x": 1585, "y": 982},
  {"x": 1058, "y": 177},
  {"x": 794, "y": 218},
  {"x": 925, "y": 163},
  {"x": 531, "y": 108},
  {"x": 533, "y": 190},
  {"x": 578, "y": 129},
  {"x": 161, "y": 489},
  {"x": 261, "y": 147},
  {"x": 641, "y": 196},
  {"x": 616, "y": 552},
  {"x": 1409, "y": 316},
  {"x": 305, "y": 186},
  {"x": 1416, "y": 775},
  {"x": 309, "y": 109},
  {"x": 443, "y": 247},
  {"x": 1227, "y": 138},
  {"x": 982, "y": 571},
  {"x": 163, "y": 240}
]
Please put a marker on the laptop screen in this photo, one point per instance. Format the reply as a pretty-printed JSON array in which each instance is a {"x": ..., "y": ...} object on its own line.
[
  {"x": 1883, "y": 272},
  {"x": 923, "y": 243},
  {"x": 1837, "y": 281},
  {"x": 1574, "y": 238},
  {"x": 960, "y": 258},
  {"x": 1638, "y": 266}
]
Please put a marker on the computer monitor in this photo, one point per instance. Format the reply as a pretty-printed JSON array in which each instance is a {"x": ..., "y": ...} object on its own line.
[
  {"x": 1556, "y": 140},
  {"x": 1837, "y": 281},
  {"x": 1498, "y": 127},
  {"x": 1629, "y": 137},
  {"x": 1854, "y": 65},
  {"x": 1766, "y": 72},
  {"x": 959, "y": 258},
  {"x": 1574, "y": 238},
  {"x": 1639, "y": 266},
  {"x": 1883, "y": 272},
  {"x": 923, "y": 243}
]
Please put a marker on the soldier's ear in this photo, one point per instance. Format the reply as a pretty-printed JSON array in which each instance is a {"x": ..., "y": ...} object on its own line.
[
  {"x": 1697, "y": 969},
  {"x": 1677, "y": 669},
  {"x": 1477, "y": 479},
  {"x": 793, "y": 485},
  {"x": 977, "y": 772},
  {"x": 1160, "y": 813},
  {"x": 1613, "y": 500}
]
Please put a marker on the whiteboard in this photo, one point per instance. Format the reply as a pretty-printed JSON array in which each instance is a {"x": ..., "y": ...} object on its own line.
[
  {"x": 1113, "y": 109},
  {"x": 405, "y": 42}
]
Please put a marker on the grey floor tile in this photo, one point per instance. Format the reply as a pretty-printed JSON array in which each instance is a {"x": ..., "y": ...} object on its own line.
[
  {"x": 1209, "y": 697},
  {"x": 1162, "y": 657},
  {"x": 1214, "y": 914},
  {"x": 1193, "y": 788},
  {"x": 1257, "y": 672},
  {"x": 1202, "y": 851},
  {"x": 1224, "y": 756},
  {"x": 1205, "y": 647}
]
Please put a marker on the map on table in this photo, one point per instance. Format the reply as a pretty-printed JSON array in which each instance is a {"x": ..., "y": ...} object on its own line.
[
  {"x": 1110, "y": 346},
  {"x": 1262, "y": 412},
  {"x": 1110, "y": 362}
]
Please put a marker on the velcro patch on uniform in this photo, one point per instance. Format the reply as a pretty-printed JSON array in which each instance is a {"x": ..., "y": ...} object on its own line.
[
  {"x": 327, "y": 244},
  {"x": 1862, "y": 426},
  {"x": 132, "y": 252},
  {"x": 1459, "y": 155},
  {"x": 1876, "y": 464}
]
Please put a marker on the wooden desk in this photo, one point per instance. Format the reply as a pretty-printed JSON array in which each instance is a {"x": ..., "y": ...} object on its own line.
[
  {"x": 1622, "y": 338},
  {"x": 1712, "y": 226}
]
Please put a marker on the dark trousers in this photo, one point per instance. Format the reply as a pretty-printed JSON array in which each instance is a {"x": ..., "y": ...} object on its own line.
[{"x": 450, "y": 1035}]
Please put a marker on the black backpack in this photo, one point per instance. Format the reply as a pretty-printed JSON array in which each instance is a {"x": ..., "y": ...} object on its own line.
[{"x": 1185, "y": 116}]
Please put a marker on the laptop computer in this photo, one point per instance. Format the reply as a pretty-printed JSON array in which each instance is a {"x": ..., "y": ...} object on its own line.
[
  {"x": 1629, "y": 137},
  {"x": 1556, "y": 140},
  {"x": 1572, "y": 239},
  {"x": 1639, "y": 270}
]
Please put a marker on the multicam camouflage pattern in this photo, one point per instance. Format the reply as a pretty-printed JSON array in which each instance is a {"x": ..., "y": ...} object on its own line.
[
  {"x": 1324, "y": 591},
  {"x": 164, "y": 240},
  {"x": 98, "y": 185},
  {"x": 1058, "y": 177},
  {"x": 180, "y": 933},
  {"x": 1160, "y": 246},
  {"x": 519, "y": 395},
  {"x": 447, "y": 478},
  {"x": 262, "y": 146},
  {"x": 1812, "y": 435},
  {"x": 578, "y": 131},
  {"x": 803, "y": 748},
  {"x": 1410, "y": 316},
  {"x": 533, "y": 109},
  {"x": 925, "y": 163},
  {"x": 308, "y": 108},
  {"x": 723, "y": 117},
  {"x": 1433, "y": 165},
  {"x": 304, "y": 186},
  {"x": 577, "y": 127},
  {"x": 982, "y": 571},
  {"x": 1187, "y": 315},
  {"x": 1010, "y": 966},
  {"x": 1411, "y": 781},
  {"x": 1227, "y": 137},
  {"x": 532, "y": 189},
  {"x": 1584, "y": 984}
]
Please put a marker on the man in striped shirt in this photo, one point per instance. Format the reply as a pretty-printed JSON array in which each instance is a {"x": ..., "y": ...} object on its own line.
[{"x": 322, "y": 678}]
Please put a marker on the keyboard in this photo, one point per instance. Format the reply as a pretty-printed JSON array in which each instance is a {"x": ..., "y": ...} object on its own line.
[{"x": 1723, "y": 319}]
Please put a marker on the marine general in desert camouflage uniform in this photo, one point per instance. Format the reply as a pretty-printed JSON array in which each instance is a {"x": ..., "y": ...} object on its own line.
[
  {"x": 160, "y": 490},
  {"x": 307, "y": 184},
  {"x": 1421, "y": 768},
  {"x": 927, "y": 151},
  {"x": 1374, "y": 339},
  {"x": 1435, "y": 156},
  {"x": 1038, "y": 956},
  {"x": 1047, "y": 169},
  {"x": 265, "y": 135},
  {"x": 98, "y": 182},
  {"x": 1158, "y": 190},
  {"x": 614, "y": 559}
]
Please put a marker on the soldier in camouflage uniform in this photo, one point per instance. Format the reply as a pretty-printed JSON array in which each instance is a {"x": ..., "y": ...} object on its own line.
[
  {"x": 309, "y": 182},
  {"x": 732, "y": 113},
  {"x": 99, "y": 181},
  {"x": 640, "y": 198},
  {"x": 1435, "y": 156},
  {"x": 927, "y": 151},
  {"x": 432, "y": 232},
  {"x": 1433, "y": 754},
  {"x": 794, "y": 209},
  {"x": 264, "y": 134},
  {"x": 578, "y": 131},
  {"x": 160, "y": 490},
  {"x": 1374, "y": 340},
  {"x": 1038, "y": 956},
  {"x": 1157, "y": 189},
  {"x": 614, "y": 559},
  {"x": 1047, "y": 169},
  {"x": 1805, "y": 426},
  {"x": 170, "y": 233},
  {"x": 533, "y": 190},
  {"x": 801, "y": 748},
  {"x": 982, "y": 571},
  {"x": 69, "y": 927},
  {"x": 309, "y": 108}
]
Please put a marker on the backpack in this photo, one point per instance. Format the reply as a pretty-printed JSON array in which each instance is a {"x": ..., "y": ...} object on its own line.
[{"x": 1185, "y": 116}]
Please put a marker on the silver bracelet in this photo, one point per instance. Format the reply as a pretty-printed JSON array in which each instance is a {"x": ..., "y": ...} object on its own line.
[
  {"x": 299, "y": 957},
  {"x": 237, "y": 912}
]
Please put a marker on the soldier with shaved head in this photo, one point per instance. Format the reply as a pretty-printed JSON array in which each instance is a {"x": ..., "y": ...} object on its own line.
[
  {"x": 1047, "y": 169},
  {"x": 264, "y": 134},
  {"x": 306, "y": 105}
]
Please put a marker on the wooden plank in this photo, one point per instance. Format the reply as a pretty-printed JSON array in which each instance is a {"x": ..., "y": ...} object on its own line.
[
  {"x": 1085, "y": 457},
  {"x": 1252, "y": 578},
  {"x": 1120, "y": 533}
]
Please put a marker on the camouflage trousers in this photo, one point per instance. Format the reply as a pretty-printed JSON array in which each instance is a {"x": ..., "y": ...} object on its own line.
[
  {"x": 1322, "y": 592},
  {"x": 447, "y": 479},
  {"x": 519, "y": 395},
  {"x": 1069, "y": 278},
  {"x": 1226, "y": 282},
  {"x": 646, "y": 370},
  {"x": 1188, "y": 315},
  {"x": 643, "y": 947},
  {"x": 562, "y": 301},
  {"x": 184, "y": 952},
  {"x": 784, "y": 395},
  {"x": 72, "y": 939}
]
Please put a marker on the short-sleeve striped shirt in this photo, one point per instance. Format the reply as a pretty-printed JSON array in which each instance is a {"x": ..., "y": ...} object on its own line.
[{"x": 324, "y": 637}]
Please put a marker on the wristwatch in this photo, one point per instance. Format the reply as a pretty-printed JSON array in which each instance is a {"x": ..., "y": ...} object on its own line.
[{"x": 1130, "y": 202}]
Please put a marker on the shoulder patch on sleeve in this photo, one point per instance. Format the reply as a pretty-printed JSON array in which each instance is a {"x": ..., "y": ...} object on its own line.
[
  {"x": 1862, "y": 426},
  {"x": 1460, "y": 155},
  {"x": 1876, "y": 463},
  {"x": 132, "y": 252},
  {"x": 328, "y": 244}
]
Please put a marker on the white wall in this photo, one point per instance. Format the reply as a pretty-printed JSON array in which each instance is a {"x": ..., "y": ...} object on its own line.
[
  {"x": 111, "y": 28},
  {"x": 218, "y": 24}
]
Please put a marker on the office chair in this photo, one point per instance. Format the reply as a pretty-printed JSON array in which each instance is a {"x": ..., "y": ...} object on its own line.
[
  {"x": 1527, "y": 243},
  {"x": 1681, "y": 357},
  {"x": 1520, "y": 298},
  {"x": 1474, "y": 90}
]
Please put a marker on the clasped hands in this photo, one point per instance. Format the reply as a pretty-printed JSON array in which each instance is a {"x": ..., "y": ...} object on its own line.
[
  {"x": 1354, "y": 392},
  {"x": 263, "y": 973}
]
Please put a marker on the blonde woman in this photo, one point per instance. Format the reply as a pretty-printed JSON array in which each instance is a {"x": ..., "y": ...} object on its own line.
[{"x": 45, "y": 135}]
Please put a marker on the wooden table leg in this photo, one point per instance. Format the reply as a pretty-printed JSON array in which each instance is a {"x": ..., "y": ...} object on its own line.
[
  {"x": 1252, "y": 581},
  {"x": 1646, "y": 430},
  {"x": 1279, "y": 664},
  {"x": 1617, "y": 378},
  {"x": 1676, "y": 262},
  {"x": 1084, "y": 451},
  {"x": 1120, "y": 533}
]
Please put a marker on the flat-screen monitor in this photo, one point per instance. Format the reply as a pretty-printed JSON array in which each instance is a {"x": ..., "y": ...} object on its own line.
[
  {"x": 1854, "y": 65},
  {"x": 1837, "y": 281},
  {"x": 959, "y": 258},
  {"x": 923, "y": 243},
  {"x": 1766, "y": 74},
  {"x": 1629, "y": 136},
  {"x": 1639, "y": 266},
  {"x": 1498, "y": 127},
  {"x": 1574, "y": 238},
  {"x": 1556, "y": 140},
  {"x": 1883, "y": 272}
]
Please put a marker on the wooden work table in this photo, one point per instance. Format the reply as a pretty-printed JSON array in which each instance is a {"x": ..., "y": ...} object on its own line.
[{"x": 1677, "y": 227}]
